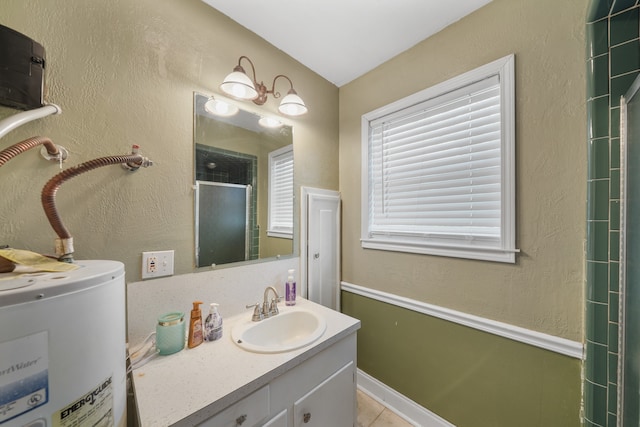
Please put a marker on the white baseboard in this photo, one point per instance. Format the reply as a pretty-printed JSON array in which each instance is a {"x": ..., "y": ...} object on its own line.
[
  {"x": 398, "y": 403},
  {"x": 516, "y": 333}
]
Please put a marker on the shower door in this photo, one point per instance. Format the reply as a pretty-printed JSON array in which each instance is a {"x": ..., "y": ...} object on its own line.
[
  {"x": 629, "y": 356},
  {"x": 222, "y": 223}
]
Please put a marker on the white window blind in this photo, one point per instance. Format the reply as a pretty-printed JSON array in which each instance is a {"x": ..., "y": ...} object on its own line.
[
  {"x": 436, "y": 171},
  {"x": 281, "y": 193},
  {"x": 436, "y": 174}
]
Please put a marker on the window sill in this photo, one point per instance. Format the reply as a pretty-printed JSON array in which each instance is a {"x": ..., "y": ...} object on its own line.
[
  {"x": 476, "y": 253},
  {"x": 280, "y": 234}
]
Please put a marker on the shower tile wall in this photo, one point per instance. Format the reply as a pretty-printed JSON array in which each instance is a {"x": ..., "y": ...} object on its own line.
[
  {"x": 613, "y": 62},
  {"x": 247, "y": 175}
]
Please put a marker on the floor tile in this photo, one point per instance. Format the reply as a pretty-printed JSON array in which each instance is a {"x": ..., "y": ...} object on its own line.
[
  {"x": 368, "y": 409},
  {"x": 389, "y": 419}
]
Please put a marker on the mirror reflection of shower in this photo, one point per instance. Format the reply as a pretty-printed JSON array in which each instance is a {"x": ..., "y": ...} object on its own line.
[{"x": 226, "y": 214}]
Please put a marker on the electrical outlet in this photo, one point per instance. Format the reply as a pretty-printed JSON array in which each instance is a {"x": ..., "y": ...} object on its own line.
[{"x": 157, "y": 264}]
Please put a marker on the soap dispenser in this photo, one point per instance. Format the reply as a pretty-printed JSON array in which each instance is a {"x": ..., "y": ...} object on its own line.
[
  {"x": 290, "y": 289},
  {"x": 213, "y": 324},
  {"x": 195, "y": 326}
]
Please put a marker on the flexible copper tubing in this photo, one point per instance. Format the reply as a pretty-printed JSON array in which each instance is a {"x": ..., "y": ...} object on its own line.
[
  {"x": 49, "y": 191},
  {"x": 22, "y": 146}
]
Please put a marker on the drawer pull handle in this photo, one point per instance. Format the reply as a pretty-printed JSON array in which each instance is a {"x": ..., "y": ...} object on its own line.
[
  {"x": 241, "y": 419},
  {"x": 306, "y": 417}
]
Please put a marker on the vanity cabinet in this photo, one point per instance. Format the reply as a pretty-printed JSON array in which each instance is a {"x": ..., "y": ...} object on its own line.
[
  {"x": 319, "y": 392},
  {"x": 222, "y": 385}
]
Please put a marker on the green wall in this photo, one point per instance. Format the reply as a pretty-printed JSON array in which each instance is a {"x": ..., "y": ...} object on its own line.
[{"x": 468, "y": 377}]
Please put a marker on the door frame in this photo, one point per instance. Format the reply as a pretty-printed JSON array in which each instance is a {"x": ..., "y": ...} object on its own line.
[{"x": 306, "y": 193}]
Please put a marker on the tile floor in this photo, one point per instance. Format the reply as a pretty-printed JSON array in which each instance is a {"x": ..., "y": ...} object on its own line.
[{"x": 373, "y": 414}]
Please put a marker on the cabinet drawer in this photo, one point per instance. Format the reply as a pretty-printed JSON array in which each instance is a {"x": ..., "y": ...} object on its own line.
[{"x": 247, "y": 412}]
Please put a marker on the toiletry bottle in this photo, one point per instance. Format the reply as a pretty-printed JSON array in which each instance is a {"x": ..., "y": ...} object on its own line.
[
  {"x": 213, "y": 324},
  {"x": 195, "y": 326},
  {"x": 290, "y": 290}
]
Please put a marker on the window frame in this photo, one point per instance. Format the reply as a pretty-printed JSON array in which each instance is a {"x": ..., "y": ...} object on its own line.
[
  {"x": 505, "y": 251},
  {"x": 278, "y": 231}
]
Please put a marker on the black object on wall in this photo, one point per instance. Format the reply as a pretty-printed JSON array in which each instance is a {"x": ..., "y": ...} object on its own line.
[{"x": 22, "y": 70}]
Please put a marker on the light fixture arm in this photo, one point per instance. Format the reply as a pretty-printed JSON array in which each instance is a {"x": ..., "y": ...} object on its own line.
[
  {"x": 239, "y": 67},
  {"x": 263, "y": 91}
]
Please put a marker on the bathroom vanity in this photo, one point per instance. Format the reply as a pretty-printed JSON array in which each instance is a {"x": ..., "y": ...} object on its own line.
[{"x": 220, "y": 384}]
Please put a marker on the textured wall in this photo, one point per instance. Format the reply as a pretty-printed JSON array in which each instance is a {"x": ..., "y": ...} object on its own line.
[
  {"x": 543, "y": 291},
  {"x": 124, "y": 72}
]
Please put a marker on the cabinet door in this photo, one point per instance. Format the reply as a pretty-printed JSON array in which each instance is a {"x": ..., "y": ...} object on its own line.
[
  {"x": 332, "y": 403},
  {"x": 279, "y": 420}
]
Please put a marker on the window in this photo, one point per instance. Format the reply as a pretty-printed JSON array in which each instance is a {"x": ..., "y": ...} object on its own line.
[
  {"x": 438, "y": 169},
  {"x": 281, "y": 193}
]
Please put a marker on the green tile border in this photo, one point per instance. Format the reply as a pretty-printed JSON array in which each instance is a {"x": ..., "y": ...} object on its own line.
[
  {"x": 598, "y": 76},
  {"x": 597, "y": 38},
  {"x": 598, "y": 116},
  {"x": 625, "y": 58},
  {"x": 623, "y": 27},
  {"x": 599, "y": 163},
  {"x": 612, "y": 32}
]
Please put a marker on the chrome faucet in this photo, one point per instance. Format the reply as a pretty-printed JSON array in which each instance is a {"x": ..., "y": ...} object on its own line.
[{"x": 268, "y": 308}]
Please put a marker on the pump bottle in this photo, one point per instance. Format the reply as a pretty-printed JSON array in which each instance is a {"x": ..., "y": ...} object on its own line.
[
  {"x": 195, "y": 326},
  {"x": 290, "y": 289},
  {"x": 213, "y": 324}
]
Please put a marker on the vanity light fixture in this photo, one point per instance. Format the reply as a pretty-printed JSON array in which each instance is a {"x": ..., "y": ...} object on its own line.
[
  {"x": 240, "y": 86},
  {"x": 270, "y": 122},
  {"x": 220, "y": 108}
]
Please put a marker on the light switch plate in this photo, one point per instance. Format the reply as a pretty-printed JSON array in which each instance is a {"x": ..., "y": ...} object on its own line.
[{"x": 157, "y": 264}]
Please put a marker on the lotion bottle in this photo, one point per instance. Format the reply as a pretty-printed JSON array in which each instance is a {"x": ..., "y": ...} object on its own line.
[
  {"x": 290, "y": 289},
  {"x": 195, "y": 326},
  {"x": 213, "y": 324}
]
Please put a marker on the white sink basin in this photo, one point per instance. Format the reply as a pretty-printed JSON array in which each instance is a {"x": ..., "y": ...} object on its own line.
[{"x": 286, "y": 331}]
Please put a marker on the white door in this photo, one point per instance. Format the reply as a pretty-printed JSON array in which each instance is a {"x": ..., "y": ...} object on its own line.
[{"x": 320, "y": 255}]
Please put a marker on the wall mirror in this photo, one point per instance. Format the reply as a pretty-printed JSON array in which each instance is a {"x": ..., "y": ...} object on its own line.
[{"x": 243, "y": 188}]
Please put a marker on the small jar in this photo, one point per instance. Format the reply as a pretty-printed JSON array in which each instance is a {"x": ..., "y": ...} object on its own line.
[{"x": 170, "y": 333}]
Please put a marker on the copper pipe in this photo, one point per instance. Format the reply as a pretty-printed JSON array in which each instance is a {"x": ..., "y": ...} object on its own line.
[
  {"x": 51, "y": 187},
  {"x": 22, "y": 146}
]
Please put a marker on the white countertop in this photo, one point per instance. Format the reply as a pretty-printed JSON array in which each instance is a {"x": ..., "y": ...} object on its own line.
[{"x": 192, "y": 385}]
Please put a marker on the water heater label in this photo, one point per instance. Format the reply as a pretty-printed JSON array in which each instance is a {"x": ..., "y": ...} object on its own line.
[
  {"x": 95, "y": 408},
  {"x": 24, "y": 375}
]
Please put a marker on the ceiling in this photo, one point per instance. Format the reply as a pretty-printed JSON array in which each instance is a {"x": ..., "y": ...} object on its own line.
[{"x": 343, "y": 39}]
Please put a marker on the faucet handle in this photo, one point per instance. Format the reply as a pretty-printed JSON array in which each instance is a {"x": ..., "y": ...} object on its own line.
[
  {"x": 273, "y": 307},
  {"x": 257, "y": 313}
]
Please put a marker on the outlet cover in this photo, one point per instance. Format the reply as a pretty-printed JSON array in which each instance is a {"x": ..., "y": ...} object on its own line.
[{"x": 157, "y": 264}]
